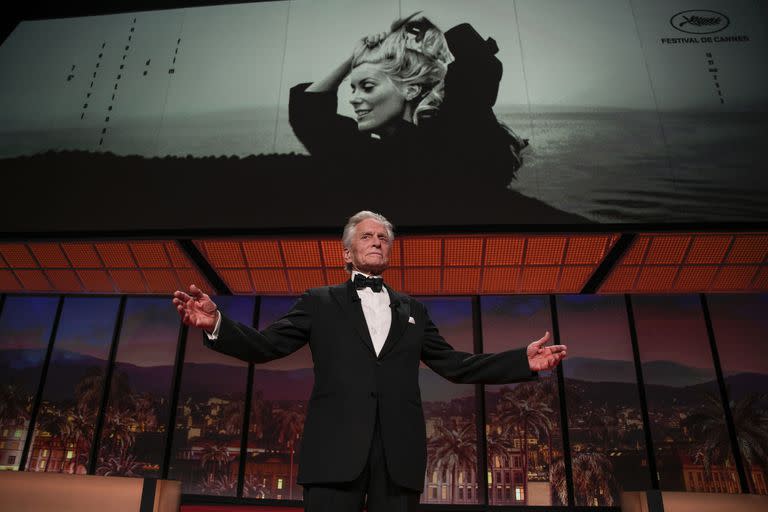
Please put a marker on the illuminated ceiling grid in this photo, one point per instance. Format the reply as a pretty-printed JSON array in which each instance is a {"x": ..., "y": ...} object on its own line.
[
  {"x": 432, "y": 265},
  {"x": 145, "y": 267},
  {"x": 691, "y": 262}
]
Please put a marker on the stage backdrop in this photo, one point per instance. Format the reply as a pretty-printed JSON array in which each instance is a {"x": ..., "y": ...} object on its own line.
[{"x": 633, "y": 111}]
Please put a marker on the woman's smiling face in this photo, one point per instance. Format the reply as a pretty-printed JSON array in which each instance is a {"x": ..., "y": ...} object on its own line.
[{"x": 378, "y": 103}]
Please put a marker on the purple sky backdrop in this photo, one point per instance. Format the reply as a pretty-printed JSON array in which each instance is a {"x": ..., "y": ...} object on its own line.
[
  {"x": 453, "y": 317},
  {"x": 594, "y": 326},
  {"x": 149, "y": 332},
  {"x": 514, "y": 321},
  {"x": 87, "y": 325},
  {"x": 740, "y": 323},
  {"x": 236, "y": 307},
  {"x": 672, "y": 328},
  {"x": 26, "y": 322}
]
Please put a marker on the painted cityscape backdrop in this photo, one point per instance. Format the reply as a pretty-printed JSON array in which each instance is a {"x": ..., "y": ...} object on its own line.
[{"x": 523, "y": 432}]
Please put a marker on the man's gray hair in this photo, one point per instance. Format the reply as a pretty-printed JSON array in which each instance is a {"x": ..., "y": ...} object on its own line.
[{"x": 349, "y": 229}]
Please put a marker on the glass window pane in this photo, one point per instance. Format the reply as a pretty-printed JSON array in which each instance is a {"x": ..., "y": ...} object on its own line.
[
  {"x": 522, "y": 420},
  {"x": 25, "y": 330},
  {"x": 209, "y": 413},
  {"x": 134, "y": 433},
  {"x": 605, "y": 425},
  {"x": 740, "y": 324},
  {"x": 690, "y": 437},
  {"x": 281, "y": 389},
  {"x": 449, "y": 411},
  {"x": 74, "y": 386}
]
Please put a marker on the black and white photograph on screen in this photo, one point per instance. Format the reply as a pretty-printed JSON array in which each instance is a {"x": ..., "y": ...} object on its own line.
[{"x": 492, "y": 113}]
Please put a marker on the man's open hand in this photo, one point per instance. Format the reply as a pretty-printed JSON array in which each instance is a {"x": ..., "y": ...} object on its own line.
[
  {"x": 541, "y": 357},
  {"x": 196, "y": 308}
]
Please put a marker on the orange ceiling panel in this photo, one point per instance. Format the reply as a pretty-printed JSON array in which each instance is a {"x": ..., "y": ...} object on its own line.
[
  {"x": 636, "y": 253},
  {"x": 270, "y": 281},
  {"x": 463, "y": 251},
  {"x": 237, "y": 280},
  {"x": 734, "y": 278},
  {"x": 96, "y": 281},
  {"x": 422, "y": 252},
  {"x": 115, "y": 254},
  {"x": 586, "y": 250},
  {"x": 573, "y": 279},
  {"x": 17, "y": 255},
  {"x": 223, "y": 253},
  {"x": 49, "y": 255},
  {"x": 708, "y": 249},
  {"x": 656, "y": 278},
  {"x": 178, "y": 258},
  {"x": 504, "y": 250},
  {"x": 500, "y": 280},
  {"x": 303, "y": 279},
  {"x": 161, "y": 280},
  {"x": 8, "y": 282},
  {"x": 620, "y": 280},
  {"x": 129, "y": 280},
  {"x": 539, "y": 279},
  {"x": 33, "y": 280},
  {"x": 761, "y": 280},
  {"x": 262, "y": 253},
  {"x": 82, "y": 255},
  {"x": 667, "y": 249},
  {"x": 301, "y": 253},
  {"x": 64, "y": 280},
  {"x": 694, "y": 278},
  {"x": 422, "y": 281},
  {"x": 748, "y": 249},
  {"x": 150, "y": 254},
  {"x": 545, "y": 250},
  {"x": 461, "y": 281}
]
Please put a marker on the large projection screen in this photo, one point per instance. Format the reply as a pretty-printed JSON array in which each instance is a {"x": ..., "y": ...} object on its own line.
[{"x": 540, "y": 112}]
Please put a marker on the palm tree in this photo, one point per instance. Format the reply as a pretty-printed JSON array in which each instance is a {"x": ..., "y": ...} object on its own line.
[
  {"x": 88, "y": 391},
  {"x": 144, "y": 412},
  {"x": 232, "y": 417},
  {"x": 290, "y": 425},
  {"x": 54, "y": 423},
  {"x": 117, "y": 433},
  {"x": 593, "y": 481},
  {"x": 119, "y": 466},
  {"x": 451, "y": 450},
  {"x": 214, "y": 457},
  {"x": 220, "y": 485},
  {"x": 751, "y": 420},
  {"x": 254, "y": 487},
  {"x": 14, "y": 405},
  {"x": 708, "y": 428},
  {"x": 500, "y": 444},
  {"x": 80, "y": 428},
  {"x": 525, "y": 409}
]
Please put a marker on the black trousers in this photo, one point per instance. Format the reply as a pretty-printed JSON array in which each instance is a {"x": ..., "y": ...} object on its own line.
[{"x": 372, "y": 489}]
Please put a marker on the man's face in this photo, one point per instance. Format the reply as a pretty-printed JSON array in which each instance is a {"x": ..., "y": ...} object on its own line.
[{"x": 369, "y": 251}]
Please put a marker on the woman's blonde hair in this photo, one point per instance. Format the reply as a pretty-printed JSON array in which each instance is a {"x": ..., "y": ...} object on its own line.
[{"x": 414, "y": 52}]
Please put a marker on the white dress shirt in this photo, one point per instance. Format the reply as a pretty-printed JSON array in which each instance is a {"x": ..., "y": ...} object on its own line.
[{"x": 378, "y": 315}]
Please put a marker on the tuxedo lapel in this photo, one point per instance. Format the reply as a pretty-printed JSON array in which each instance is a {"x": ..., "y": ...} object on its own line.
[
  {"x": 401, "y": 312},
  {"x": 349, "y": 301}
]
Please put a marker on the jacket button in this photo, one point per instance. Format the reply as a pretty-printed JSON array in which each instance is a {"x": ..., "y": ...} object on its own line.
[
  {"x": 378, "y": 363},
  {"x": 374, "y": 394}
]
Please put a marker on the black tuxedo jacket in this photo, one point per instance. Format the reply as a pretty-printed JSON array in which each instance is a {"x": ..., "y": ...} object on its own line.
[{"x": 351, "y": 382}]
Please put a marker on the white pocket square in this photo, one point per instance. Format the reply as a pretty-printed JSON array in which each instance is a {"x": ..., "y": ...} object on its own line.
[{"x": 411, "y": 320}]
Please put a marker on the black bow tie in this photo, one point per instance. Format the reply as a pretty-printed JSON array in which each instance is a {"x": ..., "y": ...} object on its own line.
[{"x": 374, "y": 282}]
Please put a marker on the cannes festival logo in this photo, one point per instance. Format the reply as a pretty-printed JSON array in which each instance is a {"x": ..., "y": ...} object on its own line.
[{"x": 699, "y": 21}]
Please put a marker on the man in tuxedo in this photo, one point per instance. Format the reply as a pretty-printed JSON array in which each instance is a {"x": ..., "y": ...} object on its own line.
[{"x": 364, "y": 439}]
